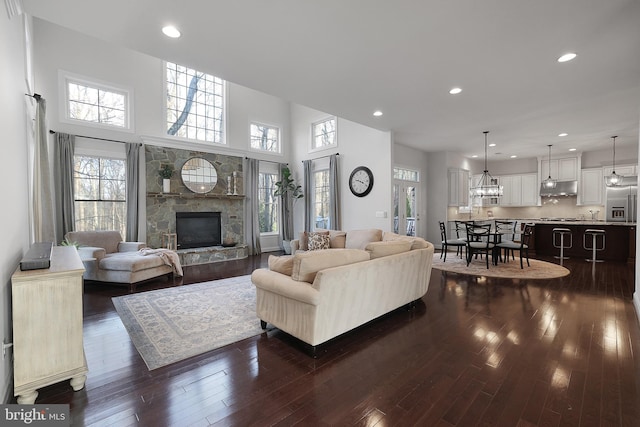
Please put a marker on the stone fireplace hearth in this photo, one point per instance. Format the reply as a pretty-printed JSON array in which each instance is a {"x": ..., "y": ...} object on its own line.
[{"x": 162, "y": 207}]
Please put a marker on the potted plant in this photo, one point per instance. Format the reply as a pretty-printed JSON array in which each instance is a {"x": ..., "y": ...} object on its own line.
[
  {"x": 166, "y": 171},
  {"x": 289, "y": 192}
]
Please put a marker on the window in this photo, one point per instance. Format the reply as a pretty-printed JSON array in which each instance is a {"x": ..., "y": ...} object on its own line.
[
  {"x": 95, "y": 103},
  {"x": 267, "y": 203},
  {"x": 406, "y": 174},
  {"x": 265, "y": 138},
  {"x": 321, "y": 190},
  {"x": 324, "y": 134},
  {"x": 195, "y": 104},
  {"x": 100, "y": 194}
]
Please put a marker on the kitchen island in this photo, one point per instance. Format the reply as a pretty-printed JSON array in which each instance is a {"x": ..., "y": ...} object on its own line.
[{"x": 620, "y": 244}]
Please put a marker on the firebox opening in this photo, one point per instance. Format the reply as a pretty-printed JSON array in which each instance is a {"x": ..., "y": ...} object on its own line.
[{"x": 198, "y": 229}]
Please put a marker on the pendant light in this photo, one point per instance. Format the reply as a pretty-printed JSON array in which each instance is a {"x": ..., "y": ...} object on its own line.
[
  {"x": 614, "y": 179},
  {"x": 549, "y": 183},
  {"x": 487, "y": 185}
]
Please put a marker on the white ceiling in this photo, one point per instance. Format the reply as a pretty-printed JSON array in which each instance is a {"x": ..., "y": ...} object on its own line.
[{"x": 351, "y": 57}]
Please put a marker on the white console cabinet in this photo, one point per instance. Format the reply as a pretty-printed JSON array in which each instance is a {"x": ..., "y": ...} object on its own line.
[{"x": 47, "y": 325}]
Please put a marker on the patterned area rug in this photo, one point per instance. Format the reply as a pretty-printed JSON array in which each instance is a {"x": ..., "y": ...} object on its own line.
[
  {"x": 511, "y": 269},
  {"x": 169, "y": 325}
]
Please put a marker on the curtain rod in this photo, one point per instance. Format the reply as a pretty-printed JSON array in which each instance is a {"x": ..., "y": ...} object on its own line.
[
  {"x": 99, "y": 139},
  {"x": 268, "y": 161},
  {"x": 322, "y": 157},
  {"x": 37, "y": 96}
]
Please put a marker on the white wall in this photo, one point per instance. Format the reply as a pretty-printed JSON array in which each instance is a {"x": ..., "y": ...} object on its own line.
[
  {"x": 358, "y": 145},
  {"x": 13, "y": 121}
]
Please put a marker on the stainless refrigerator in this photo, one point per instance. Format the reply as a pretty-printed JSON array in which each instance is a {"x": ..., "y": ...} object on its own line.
[{"x": 621, "y": 205}]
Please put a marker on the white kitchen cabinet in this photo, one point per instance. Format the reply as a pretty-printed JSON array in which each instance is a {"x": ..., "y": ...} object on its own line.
[
  {"x": 519, "y": 190},
  {"x": 458, "y": 187},
  {"x": 591, "y": 186},
  {"x": 530, "y": 189},
  {"x": 624, "y": 170},
  {"x": 565, "y": 169}
]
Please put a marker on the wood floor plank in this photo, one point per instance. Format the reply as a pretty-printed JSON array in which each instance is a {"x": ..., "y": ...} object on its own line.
[{"x": 473, "y": 352}]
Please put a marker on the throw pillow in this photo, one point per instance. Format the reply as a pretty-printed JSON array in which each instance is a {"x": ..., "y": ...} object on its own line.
[
  {"x": 338, "y": 238},
  {"x": 281, "y": 264},
  {"x": 319, "y": 241},
  {"x": 307, "y": 264},
  {"x": 359, "y": 239},
  {"x": 417, "y": 242},
  {"x": 304, "y": 239},
  {"x": 390, "y": 247}
]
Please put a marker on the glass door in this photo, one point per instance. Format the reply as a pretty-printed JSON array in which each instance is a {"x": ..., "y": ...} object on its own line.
[{"x": 406, "y": 219}]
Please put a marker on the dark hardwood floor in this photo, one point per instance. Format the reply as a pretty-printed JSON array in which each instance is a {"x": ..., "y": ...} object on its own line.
[{"x": 473, "y": 352}]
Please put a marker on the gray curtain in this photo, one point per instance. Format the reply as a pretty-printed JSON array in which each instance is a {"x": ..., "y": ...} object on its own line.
[
  {"x": 133, "y": 188},
  {"x": 64, "y": 149},
  {"x": 43, "y": 213},
  {"x": 308, "y": 202},
  {"x": 334, "y": 193},
  {"x": 252, "y": 202}
]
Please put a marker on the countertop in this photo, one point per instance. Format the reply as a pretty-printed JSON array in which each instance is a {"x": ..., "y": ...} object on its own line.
[{"x": 561, "y": 221}]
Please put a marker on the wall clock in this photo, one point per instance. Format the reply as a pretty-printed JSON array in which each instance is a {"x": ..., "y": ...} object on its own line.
[{"x": 361, "y": 181}]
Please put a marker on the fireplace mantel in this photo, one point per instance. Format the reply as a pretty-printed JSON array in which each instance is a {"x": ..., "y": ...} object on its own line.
[{"x": 196, "y": 196}]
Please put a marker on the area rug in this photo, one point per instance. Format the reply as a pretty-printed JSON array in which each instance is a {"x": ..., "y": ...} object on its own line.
[
  {"x": 169, "y": 325},
  {"x": 511, "y": 269}
]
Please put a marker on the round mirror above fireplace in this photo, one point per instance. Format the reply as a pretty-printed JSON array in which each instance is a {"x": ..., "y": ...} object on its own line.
[{"x": 199, "y": 175}]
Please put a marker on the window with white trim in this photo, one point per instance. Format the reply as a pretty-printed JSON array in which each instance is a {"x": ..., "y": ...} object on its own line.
[
  {"x": 100, "y": 194},
  {"x": 195, "y": 104},
  {"x": 264, "y": 138},
  {"x": 95, "y": 103},
  {"x": 321, "y": 193},
  {"x": 406, "y": 174},
  {"x": 267, "y": 203},
  {"x": 324, "y": 134}
]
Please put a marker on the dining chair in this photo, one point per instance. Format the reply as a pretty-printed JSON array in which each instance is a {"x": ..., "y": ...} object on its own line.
[
  {"x": 479, "y": 241},
  {"x": 522, "y": 246},
  {"x": 507, "y": 232},
  {"x": 457, "y": 243}
]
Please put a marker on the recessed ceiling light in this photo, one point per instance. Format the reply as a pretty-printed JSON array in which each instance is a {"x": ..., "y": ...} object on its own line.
[
  {"x": 492, "y": 145},
  {"x": 563, "y": 134},
  {"x": 455, "y": 91},
  {"x": 171, "y": 31},
  {"x": 513, "y": 156},
  {"x": 377, "y": 113},
  {"x": 474, "y": 156},
  {"x": 567, "y": 57},
  {"x": 572, "y": 149}
]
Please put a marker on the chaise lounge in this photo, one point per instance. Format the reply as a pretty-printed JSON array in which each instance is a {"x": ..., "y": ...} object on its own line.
[{"x": 107, "y": 258}]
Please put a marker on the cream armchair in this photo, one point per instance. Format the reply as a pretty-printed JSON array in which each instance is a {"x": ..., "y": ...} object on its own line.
[{"x": 107, "y": 258}]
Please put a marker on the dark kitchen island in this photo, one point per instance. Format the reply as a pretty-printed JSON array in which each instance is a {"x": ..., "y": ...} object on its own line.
[{"x": 620, "y": 244}]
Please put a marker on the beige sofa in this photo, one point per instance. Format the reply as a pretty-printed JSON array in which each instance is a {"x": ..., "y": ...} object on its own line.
[
  {"x": 318, "y": 295},
  {"x": 107, "y": 258}
]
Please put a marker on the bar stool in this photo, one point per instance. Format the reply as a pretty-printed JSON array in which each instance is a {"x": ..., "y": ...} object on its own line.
[
  {"x": 561, "y": 232},
  {"x": 594, "y": 233}
]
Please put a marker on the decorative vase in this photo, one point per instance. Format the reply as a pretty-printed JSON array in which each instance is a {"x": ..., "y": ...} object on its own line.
[{"x": 166, "y": 185}]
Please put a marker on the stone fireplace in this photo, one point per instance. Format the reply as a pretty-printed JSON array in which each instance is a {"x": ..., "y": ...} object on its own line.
[{"x": 162, "y": 208}]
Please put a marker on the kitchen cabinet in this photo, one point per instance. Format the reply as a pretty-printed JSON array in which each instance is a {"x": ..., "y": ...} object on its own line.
[
  {"x": 458, "y": 187},
  {"x": 624, "y": 170},
  {"x": 519, "y": 190},
  {"x": 591, "y": 186},
  {"x": 565, "y": 169}
]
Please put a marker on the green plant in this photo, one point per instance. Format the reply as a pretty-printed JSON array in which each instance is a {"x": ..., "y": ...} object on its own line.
[
  {"x": 67, "y": 242},
  {"x": 289, "y": 192},
  {"x": 166, "y": 171}
]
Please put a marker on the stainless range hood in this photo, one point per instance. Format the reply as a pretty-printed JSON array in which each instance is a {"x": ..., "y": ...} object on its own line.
[{"x": 562, "y": 188}]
